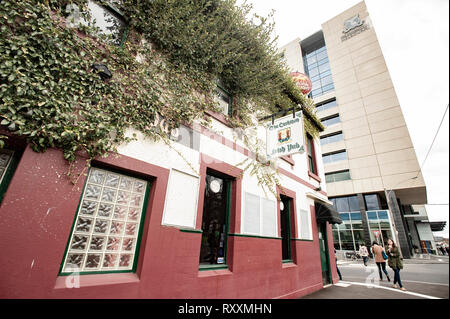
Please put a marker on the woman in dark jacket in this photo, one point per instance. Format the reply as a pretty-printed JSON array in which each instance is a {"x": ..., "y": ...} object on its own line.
[{"x": 395, "y": 262}]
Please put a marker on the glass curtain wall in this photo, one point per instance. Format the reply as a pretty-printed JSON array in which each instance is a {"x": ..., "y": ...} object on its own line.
[
  {"x": 349, "y": 234},
  {"x": 380, "y": 226},
  {"x": 317, "y": 66}
]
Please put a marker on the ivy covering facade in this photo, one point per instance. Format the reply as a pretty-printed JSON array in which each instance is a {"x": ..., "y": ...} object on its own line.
[{"x": 51, "y": 96}]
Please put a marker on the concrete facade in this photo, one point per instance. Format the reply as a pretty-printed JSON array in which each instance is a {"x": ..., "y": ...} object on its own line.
[{"x": 380, "y": 156}]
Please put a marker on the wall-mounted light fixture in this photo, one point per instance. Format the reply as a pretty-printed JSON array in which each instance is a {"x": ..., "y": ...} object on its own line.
[{"x": 102, "y": 70}]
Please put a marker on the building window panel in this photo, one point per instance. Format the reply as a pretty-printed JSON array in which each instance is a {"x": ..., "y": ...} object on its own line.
[
  {"x": 326, "y": 80},
  {"x": 109, "y": 22},
  {"x": 316, "y": 85},
  {"x": 335, "y": 157},
  {"x": 311, "y": 59},
  {"x": 331, "y": 138},
  {"x": 322, "y": 56},
  {"x": 316, "y": 92},
  {"x": 326, "y": 105},
  {"x": 323, "y": 61},
  {"x": 324, "y": 67},
  {"x": 371, "y": 202},
  {"x": 331, "y": 121},
  {"x": 337, "y": 176},
  {"x": 327, "y": 88},
  {"x": 353, "y": 204},
  {"x": 106, "y": 232},
  {"x": 313, "y": 72}
]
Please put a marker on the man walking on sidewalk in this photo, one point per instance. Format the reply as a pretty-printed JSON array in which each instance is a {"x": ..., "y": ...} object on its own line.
[{"x": 364, "y": 253}]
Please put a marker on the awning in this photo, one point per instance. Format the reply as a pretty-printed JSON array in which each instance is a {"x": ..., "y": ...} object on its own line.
[{"x": 325, "y": 213}]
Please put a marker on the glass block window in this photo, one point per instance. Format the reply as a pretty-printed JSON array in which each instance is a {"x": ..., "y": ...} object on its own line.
[
  {"x": 5, "y": 160},
  {"x": 105, "y": 233}
]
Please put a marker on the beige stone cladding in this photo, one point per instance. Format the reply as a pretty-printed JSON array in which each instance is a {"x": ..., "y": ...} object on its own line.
[{"x": 379, "y": 149}]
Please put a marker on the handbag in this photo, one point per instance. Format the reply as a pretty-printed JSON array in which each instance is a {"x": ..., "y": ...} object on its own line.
[{"x": 385, "y": 257}]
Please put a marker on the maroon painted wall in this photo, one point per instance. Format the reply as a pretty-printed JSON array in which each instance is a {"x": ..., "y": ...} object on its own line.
[{"x": 36, "y": 217}]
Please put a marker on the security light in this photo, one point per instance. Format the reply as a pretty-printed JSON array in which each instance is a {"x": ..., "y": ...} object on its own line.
[{"x": 102, "y": 70}]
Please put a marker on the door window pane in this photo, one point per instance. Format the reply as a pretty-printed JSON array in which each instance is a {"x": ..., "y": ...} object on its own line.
[
  {"x": 346, "y": 240},
  {"x": 336, "y": 241},
  {"x": 214, "y": 221},
  {"x": 285, "y": 228}
]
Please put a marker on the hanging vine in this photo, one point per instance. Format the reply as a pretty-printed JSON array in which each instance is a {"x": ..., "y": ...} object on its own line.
[{"x": 51, "y": 96}]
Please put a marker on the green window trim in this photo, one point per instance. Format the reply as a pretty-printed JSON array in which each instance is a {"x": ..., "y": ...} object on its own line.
[
  {"x": 8, "y": 174},
  {"x": 187, "y": 230},
  {"x": 213, "y": 267},
  {"x": 139, "y": 234},
  {"x": 252, "y": 236}
]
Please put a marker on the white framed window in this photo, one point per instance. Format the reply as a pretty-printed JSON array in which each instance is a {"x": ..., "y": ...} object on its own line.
[
  {"x": 105, "y": 234},
  {"x": 260, "y": 216},
  {"x": 180, "y": 208},
  {"x": 304, "y": 227}
]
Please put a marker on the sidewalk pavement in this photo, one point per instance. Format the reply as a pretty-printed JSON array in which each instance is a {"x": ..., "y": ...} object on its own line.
[
  {"x": 431, "y": 260},
  {"x": 381, "y": 290}
]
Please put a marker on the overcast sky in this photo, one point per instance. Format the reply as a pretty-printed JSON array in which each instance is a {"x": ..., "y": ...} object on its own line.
[{"x": 413, "y": 35}]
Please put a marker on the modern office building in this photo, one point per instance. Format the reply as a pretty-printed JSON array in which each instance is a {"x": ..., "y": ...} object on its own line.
[{"x": 371, "y": 169}]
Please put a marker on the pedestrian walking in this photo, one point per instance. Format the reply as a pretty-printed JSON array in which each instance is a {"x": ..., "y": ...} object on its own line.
[
  {"x": 339, "y": 273},
  {"x": 395, "y": 262},
  {"x": 380, "y": 260},
  {"x": 364, "y": 253}
]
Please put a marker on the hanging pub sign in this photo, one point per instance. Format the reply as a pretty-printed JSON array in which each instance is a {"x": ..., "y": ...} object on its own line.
[
  {"x": 285, "y": 136},
  {"x": 302, "y": 81}
]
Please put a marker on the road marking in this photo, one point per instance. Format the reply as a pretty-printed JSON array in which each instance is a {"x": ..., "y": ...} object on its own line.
[
  {"x": 341, "y": 284},
  {"x": 391, "y": 289},
  {"x": 403, "y": 280},
  {"x": 423, "y": 282}
]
